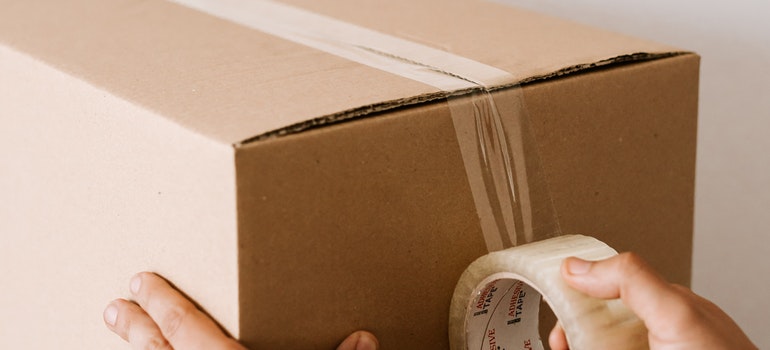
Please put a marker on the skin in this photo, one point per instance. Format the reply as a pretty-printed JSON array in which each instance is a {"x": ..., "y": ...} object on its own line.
[
  {"x": 676, "y": 318},
  {"x": 161, "y": 318}
]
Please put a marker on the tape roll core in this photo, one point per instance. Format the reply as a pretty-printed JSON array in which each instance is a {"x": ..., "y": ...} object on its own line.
[{"x": 497, "y": 299}]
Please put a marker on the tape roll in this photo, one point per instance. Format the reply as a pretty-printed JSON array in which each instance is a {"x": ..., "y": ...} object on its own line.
[{"x": 497, "y": 300}]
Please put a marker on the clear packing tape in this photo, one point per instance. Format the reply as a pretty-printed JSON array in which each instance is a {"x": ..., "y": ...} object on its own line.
[
  {"x": 504, "y": 174},
  {"x": 496, "y": 303},
  {"x": 486, "y": 105},
  {"x": 497, "y": 300},
  {"x": 503, "y": 167}
]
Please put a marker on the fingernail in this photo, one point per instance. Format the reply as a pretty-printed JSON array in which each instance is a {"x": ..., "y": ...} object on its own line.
[
  {"x": 136, "y": 283},
  {"x": 577, "y": 266},
  {"x": 366, "y": 342},
  {"x": 111, "y": 315}
]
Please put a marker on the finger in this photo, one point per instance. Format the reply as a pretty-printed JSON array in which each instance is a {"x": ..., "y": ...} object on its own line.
[
  {"x": 361, "y": 340},
  {"x": 131, "y": 323},
  {"x": 626, "y": 276},
  {"x": 180, "y": 322},
  {"x": 557, "y": 339}
]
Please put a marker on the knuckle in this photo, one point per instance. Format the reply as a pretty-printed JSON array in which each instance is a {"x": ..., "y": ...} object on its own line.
[
  {"x": 157, "y": 343},
  {"x": 631, "y": 263},
  {"x": 173, "y": 320},
  {"x": 630, "y": 266},
  {"x": 686, "y": 312},
  {"x": 688, "y": 300}
]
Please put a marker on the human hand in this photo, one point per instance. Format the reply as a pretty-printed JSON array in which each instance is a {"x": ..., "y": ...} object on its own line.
[
  {"x": 163, "y": 319},
  {"x": 675, "y": 317}
]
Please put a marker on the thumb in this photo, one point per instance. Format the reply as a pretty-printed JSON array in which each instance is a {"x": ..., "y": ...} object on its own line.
[
  {"x": 361, "y": 340},
  {"x": 628, "y": 277}
]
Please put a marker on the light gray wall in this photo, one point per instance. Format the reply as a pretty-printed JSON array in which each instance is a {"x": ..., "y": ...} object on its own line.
[{"x": 732, "y": 215}]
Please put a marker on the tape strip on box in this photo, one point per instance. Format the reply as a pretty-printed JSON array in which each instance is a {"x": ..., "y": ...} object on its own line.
[
  {"x": 501, "y": 290},
  {"x": 408, "y": 59},
  {"x": 491, "y": 139},
  {"x": 503, "y": 168}
]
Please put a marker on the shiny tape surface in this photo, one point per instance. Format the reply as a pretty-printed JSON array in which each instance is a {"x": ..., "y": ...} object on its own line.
[
  {"x": 496, "y": 301},
  {"x": 441, "y": 69},
  {"x": 503, "y": 168}
]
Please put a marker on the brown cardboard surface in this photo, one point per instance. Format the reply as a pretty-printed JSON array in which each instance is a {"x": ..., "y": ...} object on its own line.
[
  {"x": 374, "y": 215},
  {"x": 380, "y": 218},
  {"x": 619, "y": 129},
  {"x": 176, "y": 61},
  {"x": 214, "y": 77},
  {"x": 119, "y": 152}
]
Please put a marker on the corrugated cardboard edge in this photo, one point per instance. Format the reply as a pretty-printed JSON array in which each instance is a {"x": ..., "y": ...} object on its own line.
[
  {"x": 382, "y": 179},
  {"x": 378, "y": 108}
]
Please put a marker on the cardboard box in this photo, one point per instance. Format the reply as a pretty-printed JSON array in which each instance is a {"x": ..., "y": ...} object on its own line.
[{"x": 298, "y": 195}]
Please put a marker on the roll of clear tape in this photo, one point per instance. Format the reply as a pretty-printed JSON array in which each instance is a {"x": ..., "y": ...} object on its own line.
[{"x": 497, "y": 300}]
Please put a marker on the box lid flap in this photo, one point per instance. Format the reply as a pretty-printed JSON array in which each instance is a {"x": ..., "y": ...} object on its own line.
[{"x": 233, "y": 83}]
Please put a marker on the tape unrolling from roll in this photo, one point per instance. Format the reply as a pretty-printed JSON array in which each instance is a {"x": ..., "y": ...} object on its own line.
[{"x": 497, "y": 300}]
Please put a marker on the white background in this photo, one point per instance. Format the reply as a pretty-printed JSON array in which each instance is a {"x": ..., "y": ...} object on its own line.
[{"x": 732, "y": 204}]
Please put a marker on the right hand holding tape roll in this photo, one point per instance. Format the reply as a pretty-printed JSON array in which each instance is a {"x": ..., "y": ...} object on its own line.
[{"x": 497, "y": 299}]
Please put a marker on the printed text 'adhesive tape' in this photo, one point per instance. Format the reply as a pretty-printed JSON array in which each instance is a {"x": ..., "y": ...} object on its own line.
[{"x": 497, "y": 300}]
